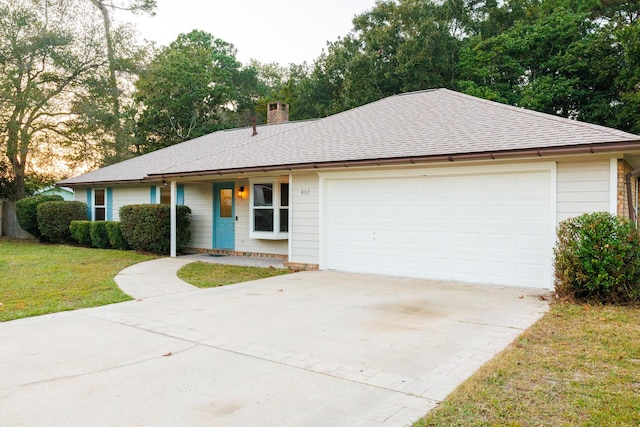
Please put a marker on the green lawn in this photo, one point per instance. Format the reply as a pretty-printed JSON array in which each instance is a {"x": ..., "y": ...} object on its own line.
[
  {"x": 578, "y": 366},
  {"x": 207, "y": 275},
  {"x": 40, "y": 278}
]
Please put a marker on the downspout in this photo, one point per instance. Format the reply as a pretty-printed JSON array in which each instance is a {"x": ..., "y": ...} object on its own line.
[
  {"x": 1, "y": 216},
  {"x": 632, "y": 211}
]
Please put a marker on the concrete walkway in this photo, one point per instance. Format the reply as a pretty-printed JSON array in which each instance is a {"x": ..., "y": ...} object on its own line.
[
  {"x": 310, "y": 348},
  {"x": 158, "y": 277}
]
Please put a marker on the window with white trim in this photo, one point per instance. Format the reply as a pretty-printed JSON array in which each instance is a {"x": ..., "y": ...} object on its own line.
[
  {"x": 99, "y": 204},
  {"x": 269, "y": 199}
]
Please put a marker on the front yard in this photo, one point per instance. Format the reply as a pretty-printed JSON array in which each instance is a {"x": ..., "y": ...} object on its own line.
[
  {"x": 577, "y": 366},
  {"x": 38, "y": 279}
]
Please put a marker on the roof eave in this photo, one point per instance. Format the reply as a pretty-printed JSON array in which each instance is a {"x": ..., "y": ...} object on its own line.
[
  {"x": 102, "y": 183},
  {"x": 485, "y": 155}
]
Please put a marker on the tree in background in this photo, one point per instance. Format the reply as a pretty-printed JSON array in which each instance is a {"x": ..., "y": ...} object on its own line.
[
  {"x": 116, "y": 41},
  {"x": 46, "y": 51},
  {"x": 191, "y": 88},
  {"x": 397, "y": 46}
]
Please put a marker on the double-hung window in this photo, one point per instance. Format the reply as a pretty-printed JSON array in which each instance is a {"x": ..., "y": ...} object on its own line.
[
  {"x": 269, "y": 200},
  {"x": 99, "y": 204}
]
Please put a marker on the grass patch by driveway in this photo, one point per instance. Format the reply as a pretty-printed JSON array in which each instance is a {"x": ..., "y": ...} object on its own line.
[
  {"x": 578, "y": 366},
  {"x": 39, "y": 278},
  {"x": 206, "y": 275}
]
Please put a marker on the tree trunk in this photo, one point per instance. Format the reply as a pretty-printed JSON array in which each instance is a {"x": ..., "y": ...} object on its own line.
[{"x": 118, "y": 133}]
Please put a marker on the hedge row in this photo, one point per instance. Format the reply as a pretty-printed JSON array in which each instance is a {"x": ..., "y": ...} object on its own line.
[
  {"x": 98, "y": 234},
  {"x": 142, "y": 227}
]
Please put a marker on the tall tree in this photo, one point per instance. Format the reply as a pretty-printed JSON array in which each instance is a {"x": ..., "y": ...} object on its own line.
[
  {"x": 46, "y": 50},
  {"x": 121, "y": 139},
  {"x": 561, "y": 64},
  {"x": 189, "y": 89},
  {"x": 395, "y": 47}
]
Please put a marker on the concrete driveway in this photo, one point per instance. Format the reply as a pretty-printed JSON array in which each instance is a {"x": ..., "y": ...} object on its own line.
[{"x": 311, "y": 348}]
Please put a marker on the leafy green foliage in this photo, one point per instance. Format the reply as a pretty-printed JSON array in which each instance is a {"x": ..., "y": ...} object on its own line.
[
  {"x": 54, "y": 219},
  {"x": 560, "y": 64},
  {"x": 187, "y": 88},
  {"x": 27, "y": 214},
  {"x": 147, "y": 228},
  {"x": 114, "y": 232},
  {"x": 81, "y": 232},
  {"x": 99, "y": 235},
  {"x": 597, "y": 256}
]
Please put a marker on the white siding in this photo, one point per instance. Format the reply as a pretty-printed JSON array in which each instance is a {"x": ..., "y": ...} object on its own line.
[
  {"x": 123, "y": 196},
  {"x": 305, "y": 219},
  {"x": 582, "y": 187},
  {"x": 199, "y": 197}
]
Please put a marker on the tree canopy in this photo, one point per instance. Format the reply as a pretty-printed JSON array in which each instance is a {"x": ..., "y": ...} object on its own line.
[{"x": 190, "y": 89}]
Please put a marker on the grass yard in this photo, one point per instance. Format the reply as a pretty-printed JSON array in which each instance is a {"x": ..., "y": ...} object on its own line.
[
  {"x": 207, "y": 275},
  {"x": 578, "y": 366},
  {"x": 39, "y": 278}
]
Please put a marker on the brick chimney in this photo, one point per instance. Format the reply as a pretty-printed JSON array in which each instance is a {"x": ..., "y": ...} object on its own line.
[{"x": 277, "y": 112}]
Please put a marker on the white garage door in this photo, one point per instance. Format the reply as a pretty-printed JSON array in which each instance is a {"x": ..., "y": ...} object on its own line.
[{"x": 486, "y": 227}]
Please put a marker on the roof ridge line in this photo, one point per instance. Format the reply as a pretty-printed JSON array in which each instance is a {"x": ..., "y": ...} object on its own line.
[{"x": 302, "y": 123}]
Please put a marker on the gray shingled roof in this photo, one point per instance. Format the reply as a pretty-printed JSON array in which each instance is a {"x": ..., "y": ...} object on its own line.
[
  {"x": 208, "y": 146},
  {"x": 423, "y": 124}
]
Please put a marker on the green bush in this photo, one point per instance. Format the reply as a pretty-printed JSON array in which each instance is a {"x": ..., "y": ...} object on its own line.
[
  {"x": 597, "y": 257},
  {"x": 54, "y": 219},
  {"x": 99, "y": 236},
  {"x": 81, "y": 232},
  {"x": 147, "y": 227},
  {"x": 115, "y": 235},
  {"x": 26, "y": 212}
]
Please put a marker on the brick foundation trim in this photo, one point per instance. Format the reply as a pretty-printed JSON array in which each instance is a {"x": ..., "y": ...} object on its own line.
[
  {"x": 301, "y": 266},
  {"x": 235, "y": 253}
]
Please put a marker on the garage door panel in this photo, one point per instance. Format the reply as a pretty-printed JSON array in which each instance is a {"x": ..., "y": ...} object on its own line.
[{"x": 492, "y": 228}]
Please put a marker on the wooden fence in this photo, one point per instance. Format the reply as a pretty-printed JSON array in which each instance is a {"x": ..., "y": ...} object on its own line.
[{"x": 9, "y": 226}]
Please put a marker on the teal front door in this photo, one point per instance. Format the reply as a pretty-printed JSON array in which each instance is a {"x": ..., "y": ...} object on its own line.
[{"x": 223, "y": 216}]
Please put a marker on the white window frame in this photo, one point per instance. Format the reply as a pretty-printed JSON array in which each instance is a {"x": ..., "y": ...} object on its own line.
[
  {"x": 96, "y": 206},
  {"x": 276, "y": 234}
]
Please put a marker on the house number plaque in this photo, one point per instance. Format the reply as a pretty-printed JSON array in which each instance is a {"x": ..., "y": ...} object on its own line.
[{"x": 305, "y": 192}]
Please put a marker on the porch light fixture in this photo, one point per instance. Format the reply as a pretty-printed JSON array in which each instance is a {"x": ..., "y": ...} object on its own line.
[{"x": 240, "y": 192}]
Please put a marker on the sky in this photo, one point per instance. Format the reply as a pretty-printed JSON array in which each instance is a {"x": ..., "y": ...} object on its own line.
[{"x": 282, "y": 31}]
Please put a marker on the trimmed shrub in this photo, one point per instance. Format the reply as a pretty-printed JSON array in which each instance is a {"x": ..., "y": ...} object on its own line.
[
  {"x": 99, "y": 236},
  {"x": 147, "y": 228},
  {"x": 54, "y": 219},
  {"x": 81, "y": 232},
  {"x": 597, "y": 257},
  {"x": 26, "y": 212},
  {"x": 115, "y": 235}
]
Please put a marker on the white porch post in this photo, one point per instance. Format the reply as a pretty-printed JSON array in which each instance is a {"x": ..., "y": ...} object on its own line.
[{"x": 174, "y": 200}]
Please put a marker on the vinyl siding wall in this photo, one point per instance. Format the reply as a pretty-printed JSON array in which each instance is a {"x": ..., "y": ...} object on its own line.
[
  {"x": 123, "y": 196},
  {"x": 582, "y": 187},
  {"x": 199, "y": 197},
  {"x": 305, "y": 219}
]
